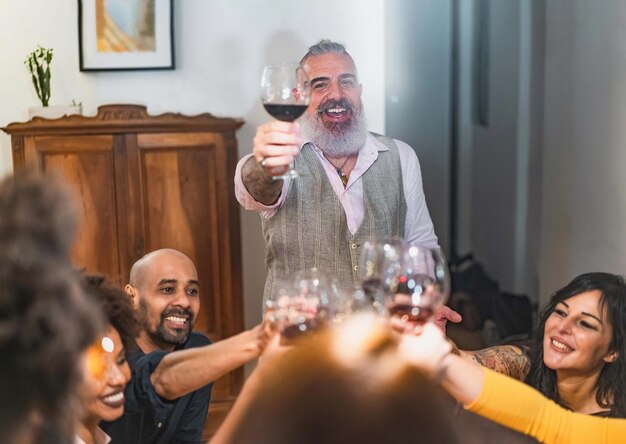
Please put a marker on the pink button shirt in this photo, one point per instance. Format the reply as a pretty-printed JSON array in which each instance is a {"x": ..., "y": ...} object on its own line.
[{"x": 418, "y": 226}]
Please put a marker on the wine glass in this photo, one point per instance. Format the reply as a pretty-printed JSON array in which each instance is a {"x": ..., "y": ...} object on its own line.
[
  {"x": 376, "y": 254},
  {"x": 353, "y": 300},
  {"x": 416, "y": 285},
  {"x": 302, "y": 305},
  {"x": 286, "y": 95}
]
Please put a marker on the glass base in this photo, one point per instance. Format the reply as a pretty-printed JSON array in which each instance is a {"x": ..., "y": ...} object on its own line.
[{"x": 289, "y": 174}]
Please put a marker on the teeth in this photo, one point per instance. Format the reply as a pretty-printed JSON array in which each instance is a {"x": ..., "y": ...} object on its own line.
[
  {"x": 116, "y": 397},
  {"x": 176, "y": 319},
  {"x": 560, "y": 345},
  {"x": 336, "y": 110}
]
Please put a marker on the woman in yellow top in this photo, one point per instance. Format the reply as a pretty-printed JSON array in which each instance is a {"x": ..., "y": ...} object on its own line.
[
  {"x": 505, "y": 400},
  {"x": 574, "y": 358}
]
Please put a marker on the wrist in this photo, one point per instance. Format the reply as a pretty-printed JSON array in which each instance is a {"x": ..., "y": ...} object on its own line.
[
  {"x": 261, "y": 185},
  {"x": 254, "y": 342},
  {"x": 442, "y": 367}
]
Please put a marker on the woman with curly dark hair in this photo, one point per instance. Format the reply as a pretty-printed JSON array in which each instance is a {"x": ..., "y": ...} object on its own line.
[
  {"x": 46, "y": 323},
  {"x": 108, "y": 371}
]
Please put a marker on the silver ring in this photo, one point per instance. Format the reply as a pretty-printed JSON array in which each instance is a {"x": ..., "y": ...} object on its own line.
[{"x": 262, "y": 162}]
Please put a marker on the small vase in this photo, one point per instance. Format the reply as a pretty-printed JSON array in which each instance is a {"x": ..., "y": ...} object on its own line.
[{"x": 54, "y": 112}]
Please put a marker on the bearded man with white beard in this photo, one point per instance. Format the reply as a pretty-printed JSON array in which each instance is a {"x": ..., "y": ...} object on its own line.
[{"x": 352, "y": 184}]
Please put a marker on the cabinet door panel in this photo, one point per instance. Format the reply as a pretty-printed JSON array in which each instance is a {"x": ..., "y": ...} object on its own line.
[
  {"x": 186, "y": 194},
  {"x": 180, "y": 210},
  {"x": 86, "y": 162}
]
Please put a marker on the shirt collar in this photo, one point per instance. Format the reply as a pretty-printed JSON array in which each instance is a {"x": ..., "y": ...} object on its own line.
[{"x": 99, "y": 438}]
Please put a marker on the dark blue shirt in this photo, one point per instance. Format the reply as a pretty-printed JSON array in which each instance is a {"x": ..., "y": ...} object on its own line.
[{"x": 149, "y": 418}]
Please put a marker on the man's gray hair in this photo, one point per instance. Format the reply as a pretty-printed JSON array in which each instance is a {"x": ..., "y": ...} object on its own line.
[{"x": 325, "y": 47}]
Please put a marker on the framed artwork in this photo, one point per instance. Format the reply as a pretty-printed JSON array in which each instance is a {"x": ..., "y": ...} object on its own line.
[{"x": 116, "y": 35}]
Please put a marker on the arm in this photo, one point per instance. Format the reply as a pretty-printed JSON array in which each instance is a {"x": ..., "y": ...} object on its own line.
[
  {"x": 275, "y": 146},
  {"x": 431, "y": 352},
  {"x": 418, "y": 226},
  {"x": 229, "y": 426},
  {"x": 506, "y": 359},
  {"x": 520, "y": 407},
  {"x": 261, "y": 186},
  {"x": 185, "y": 371},
  {"x": 248, "y": 393},
  {"x": 503, "y": 399}
]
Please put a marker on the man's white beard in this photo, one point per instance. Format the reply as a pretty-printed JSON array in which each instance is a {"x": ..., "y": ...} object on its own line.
[{"x": 335, "y": 143}]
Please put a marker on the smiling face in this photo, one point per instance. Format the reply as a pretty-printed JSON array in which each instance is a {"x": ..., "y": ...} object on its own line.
[
  {"x": 334, "y": 116},
  {"x": 105, "y": 382},
  {"x": 577, "y": 336},
  {"x": 166, "y": 293},
  {"x": 334, "y": 83}
]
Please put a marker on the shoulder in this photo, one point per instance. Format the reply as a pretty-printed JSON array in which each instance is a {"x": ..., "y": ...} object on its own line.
[
  {"x": 384, "y": 143},
  {"x": 406, "y": 153},
  {"x": 197, "y": 339}
]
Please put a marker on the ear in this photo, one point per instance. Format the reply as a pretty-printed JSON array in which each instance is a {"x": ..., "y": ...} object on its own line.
[
  {"x": 611, "y": 357},
  {"x": 132, "y": 292}
]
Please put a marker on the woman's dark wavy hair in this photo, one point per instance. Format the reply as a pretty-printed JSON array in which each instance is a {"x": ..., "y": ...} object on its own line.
[
  {"x": 611, "y": 383},
  {"x": 45, "y": 320},
  {"x": 116, "y": 306}
]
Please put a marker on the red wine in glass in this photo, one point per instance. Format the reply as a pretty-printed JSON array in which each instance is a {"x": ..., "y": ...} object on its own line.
[
  {"x": 293, "y": 331},
  {"x": 286, "y": 113},
  {"x": 285, "y": 94},
  {"x": 410, "y": 313}
]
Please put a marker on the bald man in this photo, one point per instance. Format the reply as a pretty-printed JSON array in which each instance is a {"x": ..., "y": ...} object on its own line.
[{"x": 168, "y": 396}]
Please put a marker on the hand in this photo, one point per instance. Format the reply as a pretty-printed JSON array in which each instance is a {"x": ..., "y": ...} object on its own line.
[
  {"x": 256, "y": 340},
  {"x": 426, "y": 350},
  {"x": 445, "y": 314},
  {"x": 276, "y": 144},
  {"x": 273, "y": 351},
  {"x": 440, "y": 319}
]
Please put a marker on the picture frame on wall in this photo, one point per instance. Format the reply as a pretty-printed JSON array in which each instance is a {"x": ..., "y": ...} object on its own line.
[{"x": 117, "y": 35}]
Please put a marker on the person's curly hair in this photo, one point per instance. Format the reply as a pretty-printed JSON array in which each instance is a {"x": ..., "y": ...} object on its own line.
[
  {"x": 116, "y": 307},
  {"x": 37, "y": 216},
  {"x": 46, "y": 322}
]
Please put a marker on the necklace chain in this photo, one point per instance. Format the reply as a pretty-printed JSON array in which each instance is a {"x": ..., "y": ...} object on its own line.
[
  {"x": 342, "y": 165},
  {"x": 342, "y": 175}
]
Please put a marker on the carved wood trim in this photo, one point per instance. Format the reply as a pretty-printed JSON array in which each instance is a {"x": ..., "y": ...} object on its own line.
[
  {"x": 124, "y": 119},
  {"x": 18, "y": 150}
]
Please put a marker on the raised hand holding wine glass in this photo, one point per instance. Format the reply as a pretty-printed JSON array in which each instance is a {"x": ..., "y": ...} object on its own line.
[
  {"x": 416, "y": 285},
  {"x": 285, "y": 95}
]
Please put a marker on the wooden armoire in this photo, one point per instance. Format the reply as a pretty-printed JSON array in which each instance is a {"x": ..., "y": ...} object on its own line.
[{"x": 146, "y": 182}]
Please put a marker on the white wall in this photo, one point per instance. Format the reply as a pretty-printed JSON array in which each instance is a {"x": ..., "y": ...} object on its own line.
[
  {"x": 584, "y": 184},
  {"x": 221, "y": 47}
]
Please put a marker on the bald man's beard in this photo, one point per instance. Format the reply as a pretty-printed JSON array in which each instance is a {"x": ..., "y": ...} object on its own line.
[
  {"x": 161, "y": 334},
  {"x": 336, "y": 139}
]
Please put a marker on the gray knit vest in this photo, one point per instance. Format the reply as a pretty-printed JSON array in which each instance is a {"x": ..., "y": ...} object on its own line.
[{"x": 310, "y": 229}]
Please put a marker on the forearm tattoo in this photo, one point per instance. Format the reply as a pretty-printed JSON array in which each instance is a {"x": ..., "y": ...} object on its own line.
[
  {"x": 506, "y": 359},
  {"x": 261, "y": 186}
]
